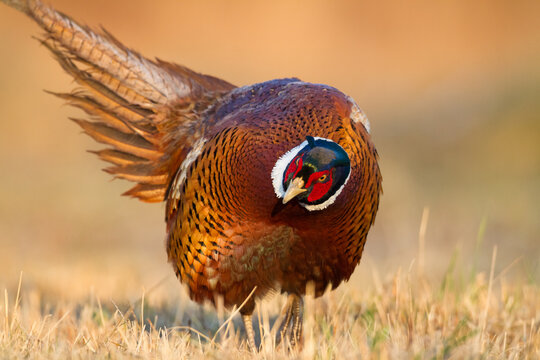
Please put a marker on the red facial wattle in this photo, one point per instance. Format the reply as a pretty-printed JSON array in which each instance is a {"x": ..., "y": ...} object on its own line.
[
  {"x": 319, "y": 188},
  {"x": 293, "y": 168}
]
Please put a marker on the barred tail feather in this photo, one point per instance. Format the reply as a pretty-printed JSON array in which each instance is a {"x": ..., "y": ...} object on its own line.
[{"x": 135, "y": 105}]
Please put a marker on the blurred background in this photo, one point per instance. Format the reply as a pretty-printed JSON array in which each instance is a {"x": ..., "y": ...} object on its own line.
[{"x": 452, "y": 90}]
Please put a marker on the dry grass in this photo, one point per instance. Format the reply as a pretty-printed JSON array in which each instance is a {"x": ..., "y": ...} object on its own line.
[
  {"x": 478, "y": 315},
  {"x": 452, "y": 92}
]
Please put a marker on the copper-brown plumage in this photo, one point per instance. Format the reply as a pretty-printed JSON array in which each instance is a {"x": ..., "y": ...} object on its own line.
[{"x": 208, "y": 149}]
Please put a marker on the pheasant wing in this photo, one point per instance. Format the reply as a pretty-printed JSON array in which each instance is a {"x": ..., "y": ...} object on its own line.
[{"x": 148, "y": 112}]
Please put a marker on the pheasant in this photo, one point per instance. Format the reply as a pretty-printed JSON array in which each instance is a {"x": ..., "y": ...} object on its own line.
[{"x": 268, "y": 187}]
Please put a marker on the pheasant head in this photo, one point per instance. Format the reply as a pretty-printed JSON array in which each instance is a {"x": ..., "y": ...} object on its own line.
[{"x": 314, "y": 173}]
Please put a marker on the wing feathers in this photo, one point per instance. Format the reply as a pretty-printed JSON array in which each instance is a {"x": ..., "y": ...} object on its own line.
[
  {"x": 100, "y": 93},
  {"x": 118, "y": 157},
  {"x": 147, "y": 192},
  {"x": 126, "y": 70},
  {"x": 130, "y": 143},
  {"x": 137, "y": 173},
  {"x": 91, "y": 107},
  {"x": 148, "y": 112}
]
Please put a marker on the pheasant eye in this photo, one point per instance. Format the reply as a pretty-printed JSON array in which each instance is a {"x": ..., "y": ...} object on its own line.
[{"x": 321, "y": 183}]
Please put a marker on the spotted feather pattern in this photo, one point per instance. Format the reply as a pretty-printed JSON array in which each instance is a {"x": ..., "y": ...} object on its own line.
[{"x": 226, "y": 237}]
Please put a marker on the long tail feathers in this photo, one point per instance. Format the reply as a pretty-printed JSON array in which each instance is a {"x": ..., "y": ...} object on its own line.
[{"x": 134, "y": 104}]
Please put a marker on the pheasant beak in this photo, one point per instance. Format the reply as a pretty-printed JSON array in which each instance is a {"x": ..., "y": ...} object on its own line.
[{"x": 295, "y": 188}]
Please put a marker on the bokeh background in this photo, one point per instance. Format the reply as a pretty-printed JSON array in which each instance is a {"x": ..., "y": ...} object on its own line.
[{"x": 452, "y": 90}]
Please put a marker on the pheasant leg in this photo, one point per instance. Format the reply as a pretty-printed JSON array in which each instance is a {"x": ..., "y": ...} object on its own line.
[
  {"x": 292, "y": 320},
  {"x": 248, "y": 323},
  {"x": 296, "y": 331},
  {"x": 286, "y": 318}
]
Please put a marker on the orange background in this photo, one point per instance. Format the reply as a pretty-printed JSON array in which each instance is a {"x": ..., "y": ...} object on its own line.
[{"x": 451, "y": 89}]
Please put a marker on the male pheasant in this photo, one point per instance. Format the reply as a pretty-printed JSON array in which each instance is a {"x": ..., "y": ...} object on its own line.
[{"x": 268, "y": 187}]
